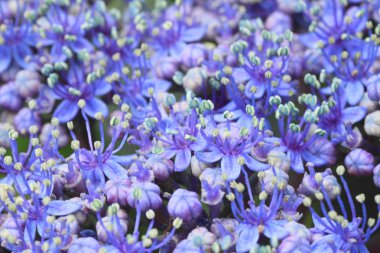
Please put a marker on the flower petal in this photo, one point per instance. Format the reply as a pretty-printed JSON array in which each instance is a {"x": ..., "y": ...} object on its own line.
[
  {"x": 66, "y": 111},
  {"x": 57, "y": 53},
  {"x": 193, "y": 34},
  {"x": 182, "y": 159},
  {"x": 253, "y": 164},
  {"x": 275, "y": 228},
  {"x": 20, "y": 53},
  {"x": 240, "y": 75},
  {"x": 5, "y": 59},
  {"x": 113, "y": 170},
  {"x": 354, "y": 92},
  {"x": 354, "y": 114},
  {"x": 208, "y": 156},
  {"x": 62, "y": 207},
  {"x": 95, "y": 105},
  {"x": 230, "y": 166},
  {"x": 102, "y": 88},
  {"x": 177, "y": 49},
  {"x": 81, "y": 44},
  {"x": 124, "y": 160},
  {"x": 296, "y": 161},
  {"x": 247, "y": 237},
  {"x": 96, "y": 177}
]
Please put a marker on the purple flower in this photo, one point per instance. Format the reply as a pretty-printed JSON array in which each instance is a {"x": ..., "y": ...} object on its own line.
[
  {"x": 376, "y": 175},
  {"x": 144, "y": 196},
  {"x": 212, "y": 186},
  {"x": 117, "y": 191},
  {"x": 28, "y": 83},
  {"x": 299, "y": 141},
  {"x": 231, "y": 145},
  {"x": 170, "y": 38},
  {"x": 256, "y": 219},
  {"x": 193, "y": 55},
  {"x": 359, "y": 162},
  {"x": 294, "y": 244},
  {"x": 75, "y": 89},
  {"x": 86, "y": 244},
  {"x": 16, "y": 43},
  {"x": 185, "y": 205},
  {"x": 335, "y": 122},
  {"x": 64, "y": 33},
  {"x": 94, "y": 165},
  {"x": 346, "y": 232},
  {"x": 10, "y": 97}
]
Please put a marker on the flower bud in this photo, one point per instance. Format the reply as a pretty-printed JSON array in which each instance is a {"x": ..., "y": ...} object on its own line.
[
  {"x": 85, "y": 244},
  {"x": 376, "y": 175},
  {"x": 166, "y": 67},
  {"x": 185, "y": 205},
  {"x": 278, "y": 22},
  {"x": 193, "y": 55},
  {"x": 116, "y": 224},
  {"x": 368, "y": 103},
  {"x": 24, "y": 119},
  {"x": 194, "y": 79},
  {"x": 148, "y": 196},
  {"x": 359, "y": 162},
  {"x": 197, "y": 167},
  {"x": 162, "y": 168},
  {"x": 207, "y": 237},
  {"x": 373, "y": 88},
  {"x": 271, "y": 180},
  {"x": 279, "y": 160},
  {"x": 294, "y": 244},
  {"x": 116, "y": 191},
  {"x": 27, "y": 83},
  {"x": 372, "y": 124}
]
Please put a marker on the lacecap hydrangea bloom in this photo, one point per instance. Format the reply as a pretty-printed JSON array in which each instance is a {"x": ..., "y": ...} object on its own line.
[{"x": 189, "y": 126}]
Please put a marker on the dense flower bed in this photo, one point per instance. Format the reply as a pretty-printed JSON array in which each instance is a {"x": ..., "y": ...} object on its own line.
[{"x": 189, "y": 126}]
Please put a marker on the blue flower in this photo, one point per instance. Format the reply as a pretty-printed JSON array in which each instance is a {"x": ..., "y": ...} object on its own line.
[
  {"x": 16, "y": 43},
  {"x": 101, "y": 161},
  {"x": 64, "y": 33},
  {"x": 170, "y": 37},
  {"x": 231, "y": 145},
  {"x": 257, "y": 219},
  {"x": 336, "y": 120},
  {"x": 346, "y": 232},
  {"x": 75, "y": 88}
]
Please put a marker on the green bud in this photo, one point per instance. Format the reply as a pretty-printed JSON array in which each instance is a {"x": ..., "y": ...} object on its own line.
[
  {"x": 67, "y": 51},
  {"x": 288, "y": 35},
  {"x": 250, "y": 110},
  {"x": 91, "y": 77},
  {"x": 96, "y": 205},
  {"x": 47, "y": 69},
  {"x": 283, "y": 51},
  {"x": 52, "y": 79},
  {"x": 150, "y": 123},
  {"x": 244, "y": 132},
  {"x": 170, "y": 100},
  {"x": 207, "y": 105},
  {"x": 295, "y": 128},
  {"x": 320, "y": 132},
  {"x": 322, "y": 76},
  {"x": 275, "y": 100},
  {"x": 194, "y": 103},
  {"x": 178, "y": 77},
  {"x": 255, "y": 60}
]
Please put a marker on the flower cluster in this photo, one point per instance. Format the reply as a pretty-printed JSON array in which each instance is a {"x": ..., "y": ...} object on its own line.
[{"x": 189, "y": 126}]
